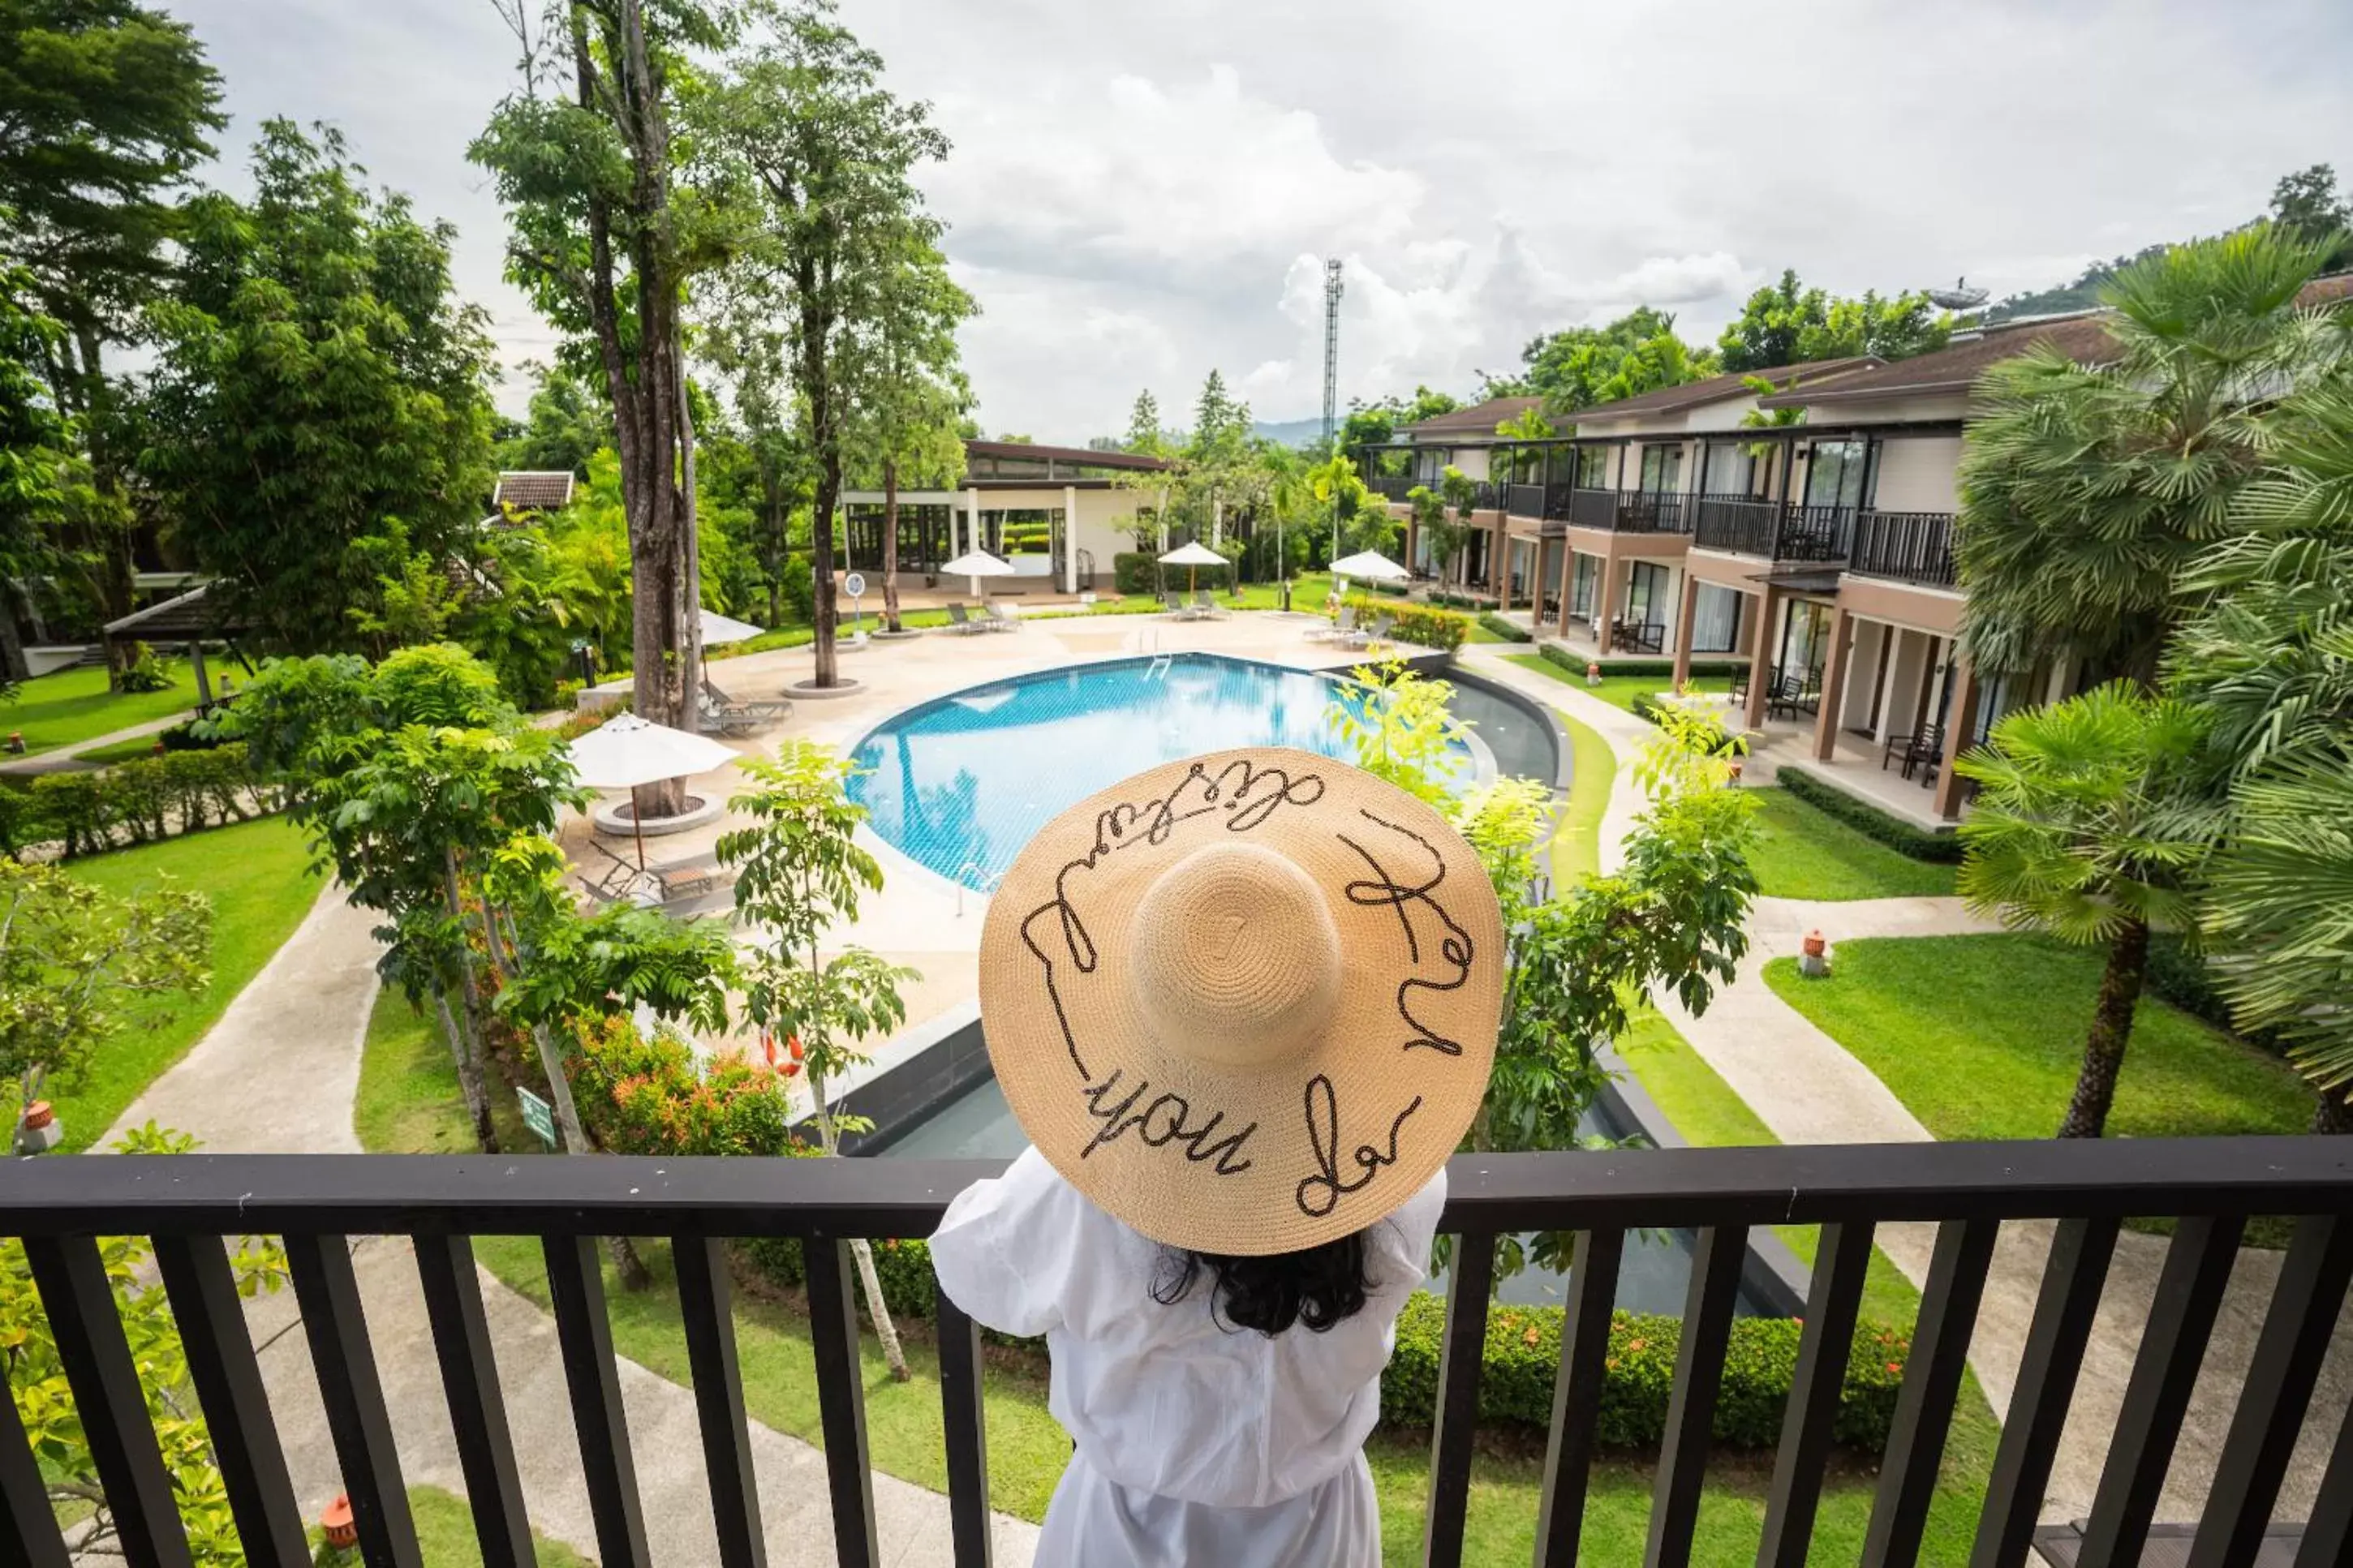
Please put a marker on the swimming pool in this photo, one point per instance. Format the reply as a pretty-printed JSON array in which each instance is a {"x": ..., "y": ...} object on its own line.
[{"x": 960, "y": 784}]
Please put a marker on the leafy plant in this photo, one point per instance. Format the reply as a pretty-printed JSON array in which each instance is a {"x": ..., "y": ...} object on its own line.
[{"x": 142, "y": 672}]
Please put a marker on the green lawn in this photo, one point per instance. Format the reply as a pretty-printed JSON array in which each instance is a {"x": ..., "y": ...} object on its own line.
[
  {"x": 1981, "y": 1037},
  {"x": 72, "y": 705},
  {"x": 1618, "y": 691},
  {"x": 256, "y": 875},
  {"x": 445, "y": 1533},
  {"x": 1593, "y": 766},
  {"x": 1804, "y": 852}
]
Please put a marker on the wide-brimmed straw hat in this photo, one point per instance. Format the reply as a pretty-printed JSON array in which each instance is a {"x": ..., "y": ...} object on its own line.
[{"x": 1245, "y": 1002}]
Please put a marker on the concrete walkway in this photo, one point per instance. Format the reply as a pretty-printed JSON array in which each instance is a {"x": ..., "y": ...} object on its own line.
[
  {"x": 61, "y": 759},
  {"x": 278, "y": 1074}
]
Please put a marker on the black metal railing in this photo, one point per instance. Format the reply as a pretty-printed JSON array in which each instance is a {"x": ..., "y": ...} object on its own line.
[
  {"x": 1557, "y": 497},
  {"x": 1817, "y": 534},
  {"x": 193, "y": 1206},
  {"x": 1392, "y": 486},
  {"x": 1525, "y": 500},
  {"x": 1777, "y": 530},
  {"x": 1915, "y": 546},
  {"x": 1630, "y": 512}
]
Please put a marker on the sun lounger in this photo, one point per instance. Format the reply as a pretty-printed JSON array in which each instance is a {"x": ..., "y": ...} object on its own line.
[
  {"x": 727, "y": 716},
  {"x": 961, "y": 622},
  {"x": 1205, "y": 605},
  {"x": 1001, "y": 619},
  {"x": 661, "y": 884}
]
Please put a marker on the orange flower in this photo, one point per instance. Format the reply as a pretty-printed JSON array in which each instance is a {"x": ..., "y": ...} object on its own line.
[{"x": 1895, "y": 1366}]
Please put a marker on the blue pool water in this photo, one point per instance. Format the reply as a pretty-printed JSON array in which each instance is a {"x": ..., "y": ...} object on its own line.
[{"x": 960, "y": 785}]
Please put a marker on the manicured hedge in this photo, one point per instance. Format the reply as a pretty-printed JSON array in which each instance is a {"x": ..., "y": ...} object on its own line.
[
  {"x": 1510, "y": 631},
  {"x": 133, "y": 802},
  {"x": 1522, "y": 1355},
  {"x": 1462, "y": 601},
  {"x": 1523, "y": 1358},
  {"x": 1430, "y": 627},
  {"x": 1942, "y": 848},
  {"x": 2180, "y": 975},
  {"x": 1570, "y": 660},
  {"x": 1132, "y": 572}
]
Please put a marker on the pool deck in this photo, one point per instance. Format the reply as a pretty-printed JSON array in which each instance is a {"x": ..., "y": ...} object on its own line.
[{"x": 918, "y": 918}]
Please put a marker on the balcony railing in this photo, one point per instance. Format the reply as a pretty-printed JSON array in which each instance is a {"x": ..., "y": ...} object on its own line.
[
  {"x": 189, "y": 1204},
  {"x": 1916, "y": 546},
  {"x": 1525, "y": 500},
  {"x": 1777, "y": 530},
  {"x": 1392, "y": 486},
  {"x": 1630, "y": 512}
]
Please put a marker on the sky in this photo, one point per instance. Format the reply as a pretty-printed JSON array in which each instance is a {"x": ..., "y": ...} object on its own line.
[{"x": 1139, "y": 194}]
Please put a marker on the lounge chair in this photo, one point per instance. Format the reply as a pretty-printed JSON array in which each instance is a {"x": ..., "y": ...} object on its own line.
[
  {"x": 1001, "y": 619},
  {"x": 960, "y": 621},
  {"x": 1382, "y": 626},
  {"x": 1927, "y": 746},
  {"x": 660, "y": 885},
  {"x": 1205, "y": 605},
  {"x": 727, "y": 716},
  {"x": 1173, "y": 604}
]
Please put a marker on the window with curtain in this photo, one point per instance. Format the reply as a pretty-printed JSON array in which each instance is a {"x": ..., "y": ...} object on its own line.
[
  {"x": 1663, "y": 468},
  {"x": 1646, "y": 594},
  {"x": 1835, "y": 475},
  {"x": 1715, "y": 620},
  {"x": 1593, "y": 468},
  {"x": 1580, "y": 586}
]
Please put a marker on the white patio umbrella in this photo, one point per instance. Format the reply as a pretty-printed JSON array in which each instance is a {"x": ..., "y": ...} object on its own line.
[
  {"x": 977, "y": 564},
  {"x": 628, "y": 751},
  {"x": 1370, "y": 564},
  {"x": 718, "y": 630},
  {"x": 1192, "y": 557}
]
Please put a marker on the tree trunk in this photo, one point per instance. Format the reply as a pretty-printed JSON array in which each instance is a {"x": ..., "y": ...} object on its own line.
[
  {"x": 475, "y": 1020},
  {"x": 691, "y": 610},
  {"x": 2332, "y": 1113},
  {"x": 13, "y": 666},
  {"x": 2112, "y": 1022},
  {"x": 469, "y": 1075},
  {"x": 891, "y": 544},
  {"x": 886, "y": 1331},
  {"x": 825, "y": 442}
]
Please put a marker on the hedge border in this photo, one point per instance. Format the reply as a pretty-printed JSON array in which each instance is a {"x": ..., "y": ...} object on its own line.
[
  {"x": 1445, "y": 630},
  {"x": 1569, "y": 659},
  {"x": 1918, "y": 843},
  {"x": 1510, "y": 631}
]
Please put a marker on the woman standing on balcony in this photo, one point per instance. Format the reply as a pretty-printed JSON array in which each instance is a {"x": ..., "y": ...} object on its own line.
[{"x": 1244, "y": 1006}]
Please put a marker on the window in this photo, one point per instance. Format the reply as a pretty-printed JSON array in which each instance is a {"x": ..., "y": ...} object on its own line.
[
  {"x": 1646, "y": 594},
  {"x": 1715, "y": 620},
  {"x": 1580, "y": 586},
  {"x": 1837, "y": 474},
  {"x": 1593, "y": 468},
  {"x": 1728, "y": 469},
  {"x": 1805, "y": 637},
  {"x": 1663, "y": 468}
]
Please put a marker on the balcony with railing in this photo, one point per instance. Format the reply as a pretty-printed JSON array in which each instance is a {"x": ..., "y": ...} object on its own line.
[
  {"x": 1392, "y": 486},
  {"x": 1525, "y": 500},
  {"x": 1776, "y": 531},
  {"x": 1910, "y": 546},
  {"x": 1630, "y": 512},
  {"x": 2233, "y": 1466}
]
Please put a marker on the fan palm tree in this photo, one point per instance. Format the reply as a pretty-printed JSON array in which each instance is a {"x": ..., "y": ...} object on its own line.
[
  {"x": 2086, "y": 490},
  {"x": 2080, "y": 832}
]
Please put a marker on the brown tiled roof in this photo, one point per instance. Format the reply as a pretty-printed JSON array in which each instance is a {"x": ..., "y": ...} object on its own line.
[
  {"x": 2082, "y": 337},
  {"x": 1717, "y": 388},
  {"x": 1018, "y": 450},
  {"x": 1479, "y": 419},
  {"x": 527, "y": 489}
]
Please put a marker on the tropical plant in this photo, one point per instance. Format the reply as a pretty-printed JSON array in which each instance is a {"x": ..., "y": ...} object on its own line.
[
  {"x": 34, "y": 1375},
  {"x": 800, "y": 871},
  {"x": 1581, "y": 367},
  {"x": 2088, "y": 489},
  {"x": 80, "y": 965},
  {"x": 2083, "y": 830},
  {"x": 1783, "y": 323}
]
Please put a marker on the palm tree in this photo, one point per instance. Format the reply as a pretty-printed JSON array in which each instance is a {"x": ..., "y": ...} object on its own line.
[
  {"x": 2086, "y": 490},
  {"x": 2268, "y": 654},
  {"x": 2080, "y": 832}
]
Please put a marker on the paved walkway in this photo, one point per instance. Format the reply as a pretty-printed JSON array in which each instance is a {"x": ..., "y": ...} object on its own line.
[
  {"x": 254, "y": 1084},
  {"x": 61, "y": 759}
]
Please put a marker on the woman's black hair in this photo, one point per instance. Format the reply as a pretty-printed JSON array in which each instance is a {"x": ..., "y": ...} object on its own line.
[{"x": 1319, "y": 1286}]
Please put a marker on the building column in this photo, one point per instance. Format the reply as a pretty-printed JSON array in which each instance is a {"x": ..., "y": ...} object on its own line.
[
  {"x": 1070, "y": 539},
  {"x": 1826, "y": 723},
  {"x": 1412, "y": 538},
  {"x": 1686, "y": 614},
  {"x": 1567, "y": 579},
  {"x": 1960, "y": 723},
  {"x": 1760, "y": 671},
  {"x": 1605, "y": 600},
  {"x": 971, "y": 523}
]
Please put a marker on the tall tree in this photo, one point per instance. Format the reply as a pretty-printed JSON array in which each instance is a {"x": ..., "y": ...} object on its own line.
[
  {"x": 35, "y": 451},
  {"x": 824, "y": 154},
  {"x": 1784, "y": 324},
  {"x": 1583, "y": 366},
  {"x": 109, "y": 106},
  {"x": 2307, "y": 205},
  {"x": 905, "y": 387},
  {"x": 320, "y": 389},
  {"x": 605, "y": 245},
  {"x": 2086, "y": 490},
  {"x": 1145, "y": 434},
  {"x": 2079, "y": 832}
]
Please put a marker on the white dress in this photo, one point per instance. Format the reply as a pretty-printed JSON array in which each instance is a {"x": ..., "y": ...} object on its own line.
[{"x": 1196, "y": 1442}]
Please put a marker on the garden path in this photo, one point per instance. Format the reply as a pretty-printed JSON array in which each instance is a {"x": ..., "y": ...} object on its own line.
[
  {"x": 62, "y": 759},
  {"x": 278, "y": 1075}
]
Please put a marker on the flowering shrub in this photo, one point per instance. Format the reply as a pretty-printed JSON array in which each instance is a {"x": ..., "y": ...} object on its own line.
[{"x": 651, "y": 1096}]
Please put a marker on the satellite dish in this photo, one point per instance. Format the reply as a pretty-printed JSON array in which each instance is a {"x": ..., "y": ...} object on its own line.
[{"x": 1959, "y": 297}]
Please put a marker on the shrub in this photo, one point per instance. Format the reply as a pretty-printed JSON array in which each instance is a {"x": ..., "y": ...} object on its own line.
[
  {"x": 1523, "y": 1358},
  {"x": 2180, "y": 974},
  {"x": 142, "y": 800},
  {"x": 1944, "y": 849},
  {"x": 797, "y": 588},
  {"x": 1132, "y": 572},
  {"x": 145, "y": 672},
  {"x": 1510, "y": 631},
  {"x": 650, "y": 1095},
  {"x": 1557, "y": 654},
  {"x": 188, "y": 737},
  {"x": 1421, "y": 623}
]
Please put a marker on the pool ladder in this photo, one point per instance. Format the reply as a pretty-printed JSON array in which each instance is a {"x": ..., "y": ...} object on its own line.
[
  {"x": 986, "y": 885},
  {"x": 1158, "y": 667}
]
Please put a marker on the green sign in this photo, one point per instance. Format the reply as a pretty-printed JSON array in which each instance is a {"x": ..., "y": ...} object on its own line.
[{"x": 538, "y": 1115}]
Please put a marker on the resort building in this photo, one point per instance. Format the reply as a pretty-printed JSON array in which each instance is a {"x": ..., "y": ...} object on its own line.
[{"x": 1079, "y": 514}]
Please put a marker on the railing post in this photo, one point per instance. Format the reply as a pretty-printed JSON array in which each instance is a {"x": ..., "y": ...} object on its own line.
[
  {"x": 965, "y": 1428},
  {"x": 1716, "y": 1262},
  {"x": 478, "y": 1410},
  {"x": 841, "y": 1400},
  {"x": 1577, "y": 1396},
  {"x": 344, "y": 1360},
  {"x": 1833, "y": 1304},
  {"x": 575, "y": 1286},
  {"x": 1469, "y": 1281},
  {"x": 1932, "y": 1380},
  {"x": 706, "y": 1306},
  {"x": 28, "y": 1528}
]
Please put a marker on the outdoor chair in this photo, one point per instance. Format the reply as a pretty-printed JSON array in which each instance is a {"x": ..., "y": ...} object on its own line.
[
  {"x": 1175, "y": 606},
  {"x": 659, "y": 885},
  {"x": 960, "y": 621},
  {"x": 1205, "y": 605},
  {"x": 728, "y": 716},
  {"x": 1926, "y": 747},
  {"x": 1379, "y": 634},
  {"x": 1791, "y": 695},
  {"x": 1001, "y": 619},
  {"x": 1342, "y": 628}
]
